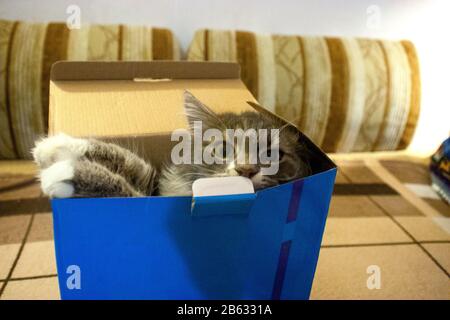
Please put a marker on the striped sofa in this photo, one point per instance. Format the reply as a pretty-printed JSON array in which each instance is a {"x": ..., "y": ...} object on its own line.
[
  {"x": 27, "y": 51},
  {"x": 346, "y": 94}
]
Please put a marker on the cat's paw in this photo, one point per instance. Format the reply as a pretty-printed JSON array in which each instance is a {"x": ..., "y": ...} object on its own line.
[
  {"x": 56, "y": 180},
  {"x": 58, "y": 147}
]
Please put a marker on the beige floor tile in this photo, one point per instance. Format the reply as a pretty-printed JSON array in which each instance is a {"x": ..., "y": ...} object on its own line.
[
  {"x": 408, "y": 172},
  {"x": 42, "y": 228},
  {"x": 359, "y": 174},
  {"x": 37, "y": 259},
  {"x": 33, "y": 289},
  {"x": 406, "y": 273},
  {"x": 340, "y": 178},
  {"x": 13, "y": 228},
  {"x": 342, "y": 231},
  {"x": 24, "y": 187},
  {"x": 441, "y": 252},
  {"x": 423, "y": 228},
  {"x": 396, "y": 205},
  {"x": 353, "y": 206},
  {"x": 8, "y": 253},
  {"x": 441, "y": 206}
]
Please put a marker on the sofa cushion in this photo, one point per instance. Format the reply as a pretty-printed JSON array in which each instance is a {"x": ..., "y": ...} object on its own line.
[
  {"x": 346, "y": 94},
  {"x": 27, "y": 52}
]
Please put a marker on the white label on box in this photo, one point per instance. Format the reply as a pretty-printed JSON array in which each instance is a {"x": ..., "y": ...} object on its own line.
[{"x": 222, "y": 186}]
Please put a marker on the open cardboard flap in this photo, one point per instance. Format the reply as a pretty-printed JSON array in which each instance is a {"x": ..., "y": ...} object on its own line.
[{"x": 139, "y": 104}]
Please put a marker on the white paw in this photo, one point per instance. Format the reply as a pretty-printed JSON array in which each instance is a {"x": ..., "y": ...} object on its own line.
[
  {"x": 56, "y": 180},
  {"x": 58, "y": 147}
]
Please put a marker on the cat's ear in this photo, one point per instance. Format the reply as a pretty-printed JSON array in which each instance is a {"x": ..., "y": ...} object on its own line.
[
  {"x": 268, "y": 115},
  {"x": 197, "y": 111}
]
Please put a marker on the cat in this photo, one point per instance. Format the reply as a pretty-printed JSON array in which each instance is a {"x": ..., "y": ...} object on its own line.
[{"x": 76, "y": 167}]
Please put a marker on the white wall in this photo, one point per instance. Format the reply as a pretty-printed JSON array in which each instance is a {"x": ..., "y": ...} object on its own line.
[{"x": 426, "y": 23}]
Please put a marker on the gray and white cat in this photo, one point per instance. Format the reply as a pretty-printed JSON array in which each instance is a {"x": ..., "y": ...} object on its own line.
[{"x": 75, "y": 167}]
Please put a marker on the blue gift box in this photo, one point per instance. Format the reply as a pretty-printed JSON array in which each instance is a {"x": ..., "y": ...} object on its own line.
[{"x": 246, "y": 246}]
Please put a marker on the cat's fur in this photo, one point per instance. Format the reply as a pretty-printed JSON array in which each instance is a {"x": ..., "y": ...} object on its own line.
[{"x": 74, "y": 167}]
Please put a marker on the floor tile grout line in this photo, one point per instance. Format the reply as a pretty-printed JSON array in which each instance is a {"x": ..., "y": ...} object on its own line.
[
  {"x": 434, "y": 259},
  {"x": 351, "y": 245},
  {"x": 390, "y": 179},
  {"x": 34, "y": 277},
  {"x": 326, "y": 246},
  {"x": 402, "y": 228},
  {"x": 19, "y": 253},
  {"x": 387, "y": 214},
  {"x": 412, "y": 237},
  {"x": 356, "y": 245}
]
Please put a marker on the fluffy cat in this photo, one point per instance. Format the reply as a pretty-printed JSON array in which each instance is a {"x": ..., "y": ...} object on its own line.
[{"x": 74, "y": 167}]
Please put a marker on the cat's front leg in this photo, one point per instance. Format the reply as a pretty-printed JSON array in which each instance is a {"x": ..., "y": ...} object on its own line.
[
  {"x": 137, "y": 172},
  {"x": 140, "y": 175},
  {"x": 83, "y": 178},
  {"x": 57, "y": 148}
]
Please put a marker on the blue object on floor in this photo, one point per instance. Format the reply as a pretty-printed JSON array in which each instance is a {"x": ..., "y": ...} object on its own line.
[{"x": 440, "y": 170}]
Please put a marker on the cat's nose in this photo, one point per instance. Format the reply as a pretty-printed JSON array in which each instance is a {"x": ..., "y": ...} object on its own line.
[{"x": 247, "y": 171}]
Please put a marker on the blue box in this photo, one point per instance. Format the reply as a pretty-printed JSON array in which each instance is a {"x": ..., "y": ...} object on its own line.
[{"x": 153, "y": 247}]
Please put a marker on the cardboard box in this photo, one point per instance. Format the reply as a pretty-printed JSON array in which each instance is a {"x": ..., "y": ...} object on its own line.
[{"x": 153, "y": 247}]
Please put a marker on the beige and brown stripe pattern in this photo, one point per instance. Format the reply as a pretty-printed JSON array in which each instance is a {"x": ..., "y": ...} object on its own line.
[
  {"x": 346, "y": 94},
  {"x": 25, "y": 85},
  {"x": 413, "y": 116},
  {"x": 288, "y": 59},
  {"x": 317, "y": 88},
  {"x": 27, "y": 51},
  {"x": 356, "y": 96},
  {"x": 7, "y": 145},
  {"x": 339, "y": 94},
  {"x": 247, "y": 58},
  {"x": 226, "y": 50},
  {"x": 77, "y": 47},
  {"x": 376, "y": 88},
  {"x": 136, "y": 44},
  {"x": 162, "y": 44},
  {"x": 103, "y": 42},
  {"x": 55, "y": 48},
  {"x": 266, "y": 71},
  {"x": 397, "y": 110},
  {"x": 197, "y": 50}
]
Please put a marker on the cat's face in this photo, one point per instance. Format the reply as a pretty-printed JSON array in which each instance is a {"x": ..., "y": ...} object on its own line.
[{"x": 292, "y": 160}]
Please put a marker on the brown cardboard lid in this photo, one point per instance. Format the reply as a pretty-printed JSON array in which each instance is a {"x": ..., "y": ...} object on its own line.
[
  {"x": 138, "y": 104},
  {"x": 116, "y": 99}
]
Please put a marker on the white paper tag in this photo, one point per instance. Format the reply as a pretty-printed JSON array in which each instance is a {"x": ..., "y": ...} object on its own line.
[{"x": 222, "y": 186}]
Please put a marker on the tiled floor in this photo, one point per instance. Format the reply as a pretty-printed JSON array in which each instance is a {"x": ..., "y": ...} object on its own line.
[
  {"x": 406, "y": 272},
  {"x": 372, "y": 225}
]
